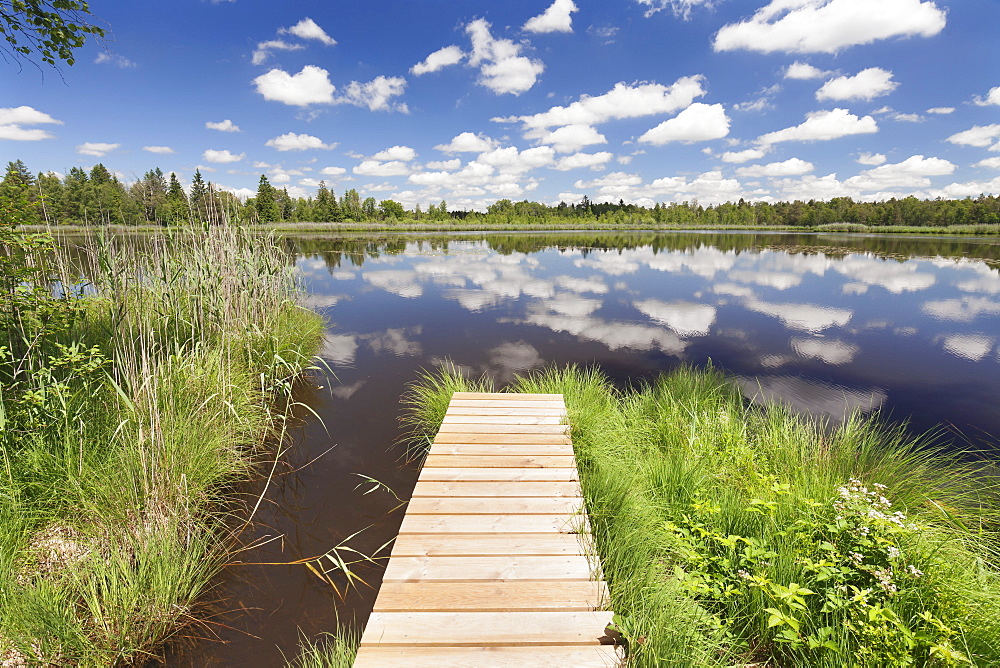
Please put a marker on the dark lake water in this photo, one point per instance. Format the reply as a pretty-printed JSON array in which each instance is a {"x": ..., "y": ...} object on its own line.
[{"x": 906, "y": 326}]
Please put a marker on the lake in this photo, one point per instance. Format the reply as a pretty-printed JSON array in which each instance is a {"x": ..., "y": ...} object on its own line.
[{"x": 828, "y": 324}]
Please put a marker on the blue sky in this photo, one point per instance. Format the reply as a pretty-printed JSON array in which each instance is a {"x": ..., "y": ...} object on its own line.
[{"x": 470, "y": 101}]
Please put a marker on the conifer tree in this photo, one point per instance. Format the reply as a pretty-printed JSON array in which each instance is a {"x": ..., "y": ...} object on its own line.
[{"x": 264, "y": 203}]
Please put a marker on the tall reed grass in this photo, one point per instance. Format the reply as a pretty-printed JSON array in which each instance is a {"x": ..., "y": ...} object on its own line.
[
  {"x": 125, "y": 434},
  {"x": 733, "y": 534}
]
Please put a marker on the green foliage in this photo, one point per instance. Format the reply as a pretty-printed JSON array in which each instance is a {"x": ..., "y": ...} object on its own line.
[
  {"x": 52, "y": 29},
  {"x": 122, "y": 444}
]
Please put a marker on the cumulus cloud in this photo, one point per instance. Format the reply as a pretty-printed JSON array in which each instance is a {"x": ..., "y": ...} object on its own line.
[
  {"x": 333, "y": 171},
  {"x": 97, "y": 149},
  {"x": 798, "y": 70},
  {"x": 992, "y": 163},
  {"x": 378, "y": 168},
  {"x": 403, "y": 153},
  {"x": 310, "y": 86},
  {"x": 557, "y": 18},
  {"x": 308, "y": 29},
  {"x": 502, "y": 68},
  {"x": 871, "y": 159},
  {"x": 978, "y": 135},
  {"x": 743, "y": 156},
  {"x": 865, "y": 85},
  {"x": 468, "y": 142},
  {"x": 823, "y": 125},
  {"x": 827, "y": 26},
  {"x": 213, "y": 155},
  {"x": 583, "y": 160},
  {"x": 941, "y": 110},
  {"x": 685, "y": 318},
  {"x": 790, "y": 167},
  {"x": 449, "y": 55},
  {"x": 622, "y": 101},
  {"x": 294, "y": 142},
  {"x": 570, "y": 138},
  {"x": 992, "y": 97},
  {"x": 13, "y": 118},
  {"x": 911, "y": 173},
  {"x": 376, "y": 94},
  {"x": 447, "y": 165},
  {"x": 162, "y": 150},
  {"x": 223, "y": 126},
  {"x": 699, "y": 122}
]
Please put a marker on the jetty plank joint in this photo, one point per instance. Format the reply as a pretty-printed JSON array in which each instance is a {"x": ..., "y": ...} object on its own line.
[{"x": 492, "y": 566}]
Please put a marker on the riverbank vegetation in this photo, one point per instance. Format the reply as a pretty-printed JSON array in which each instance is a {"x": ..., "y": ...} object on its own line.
[
  {"x": 100, "y": 198},
  {"x": 132, "y": 406},
  {"x": 735, "y": 534}
]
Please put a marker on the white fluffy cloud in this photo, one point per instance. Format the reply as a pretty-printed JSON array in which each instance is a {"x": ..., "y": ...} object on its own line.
[
  {"x": 294, "y": 142},
  {"x": 865, "y": 85},
  {"x": 823, "y": 125},
  {"x": 570, "y": 138},
  {"x": 699, "y": 122},
  {"x": 333, "y": 171},
  {"x": 502, "y": 68},
  {"x": 162, "y": 150},
  {"x": 871, "y": 159},
  {"x": 941, "y": 110},
  {"x": 622, "y": 101},
  {"x": 798, "y": 70},
  {"x": 582, "y": 160},
  {"x": 911, "y": 173},
  {"x": 223, "y": 126},
  {"x": 992, "y": 163},
  {"x": 97, "y": 149},
  {"x": 978, "y": 135},
  {"x": 310, "y": 86},
  {"x": 743, "y": 156},
  {"x": 467, "y": 142},
  {"x": 557, "y": 18},
  {"x": 449, "y": 55},
  {"x": 790, "y": 167},
  {"x": 308, "y": 29},
  {"x": 213, "y": 155},
  {"x": 992, "y": 97},
  {"x": 827, "y": 26},
  {"x": 378, "y": 168},
  {"x": 12, "y": 118},
  {"x": 376, "y": 94},
  {"x": 402, "y": 153}
]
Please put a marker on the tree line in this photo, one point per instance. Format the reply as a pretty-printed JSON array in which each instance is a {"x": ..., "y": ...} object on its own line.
[{"x": 99, "y": 197}]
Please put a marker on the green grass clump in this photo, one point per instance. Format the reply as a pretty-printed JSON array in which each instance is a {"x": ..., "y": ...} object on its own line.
[
  {"x": 332, "y": 651},
  {"x": 123, "y": 436},
  {"x": 733, "y": 534}
]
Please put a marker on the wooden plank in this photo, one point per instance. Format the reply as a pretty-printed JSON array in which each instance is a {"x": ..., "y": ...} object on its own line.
[
  {"x": 506, "y": 403},
  {"x": 488, "y": 545},
  {"x": 494, "y": 428},
  {"x": 499, "y": 474},
  {"x": 564, "y": 449},
  {"x": 534, "y": 439},
  {"x": 507, "y": 412},
  {"x": 496, "y": 489},
  {"x": 491, "y": 524},
  {"x": 499, "y": 461},
  {"x": 485, "y": 506},
  {"x": 485, "y": 628},
  {"x": 512, "y": 596},
  {"x": 503, "y": 396},
  {"x": 465, "y": 568},
  {"x": 602, "y": 656},
  {"x": 454, "y": 419}
]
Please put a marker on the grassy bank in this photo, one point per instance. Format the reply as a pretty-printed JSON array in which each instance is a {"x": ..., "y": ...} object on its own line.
[
  {"x": 123, "y": 432},
  {"x": 737, "y": 535}
]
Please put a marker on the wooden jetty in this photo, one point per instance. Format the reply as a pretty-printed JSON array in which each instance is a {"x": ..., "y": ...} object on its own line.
[{"x": 491, "y": 567}]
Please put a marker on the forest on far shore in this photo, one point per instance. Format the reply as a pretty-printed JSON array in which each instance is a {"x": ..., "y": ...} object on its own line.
[{"x": 98, "y": 197}]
